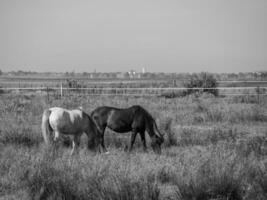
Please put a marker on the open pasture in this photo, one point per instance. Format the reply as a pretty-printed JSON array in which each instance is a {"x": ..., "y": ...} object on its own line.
[{"x": 215, "y": 148}]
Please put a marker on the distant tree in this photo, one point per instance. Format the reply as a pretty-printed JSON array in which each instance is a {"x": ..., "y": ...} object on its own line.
[
  {"x": 204, "y": 82},
  {"x": 69, "y": 74},
  {"x": 263, "y": 75},
  {"x": 86, "y": 74},
  {"x": 72, "y": 74}
]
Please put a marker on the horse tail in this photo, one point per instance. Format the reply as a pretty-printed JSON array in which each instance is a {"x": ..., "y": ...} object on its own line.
[{"x": 46, "y": 128}]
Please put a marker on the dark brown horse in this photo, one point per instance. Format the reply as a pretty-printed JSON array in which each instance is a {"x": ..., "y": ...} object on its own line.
[{"x": 134, "y": 118}]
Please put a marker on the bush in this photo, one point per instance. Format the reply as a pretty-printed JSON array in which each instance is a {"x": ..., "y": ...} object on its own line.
[
  {"x": 256, "y": 144},
  {"x": 202, "y": 80},
  {"x": 1, "y": 91},
  {"x": 171, "y": 138}
]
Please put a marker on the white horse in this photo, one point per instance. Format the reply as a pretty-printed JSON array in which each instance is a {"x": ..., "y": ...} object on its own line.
[{"x": 72, "y": 123}]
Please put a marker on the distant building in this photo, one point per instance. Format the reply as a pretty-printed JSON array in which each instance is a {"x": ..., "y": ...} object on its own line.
[
  {"x": 143, "y": 70},
  {"x": 122, "y": 75},
  {"x": 92, "y": 75},
  {"x": 132, "y": 74},
  {"x": 259, "y": 73}
]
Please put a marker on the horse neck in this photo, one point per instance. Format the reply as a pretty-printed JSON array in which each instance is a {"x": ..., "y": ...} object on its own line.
[{"x": 91, "y": 126}]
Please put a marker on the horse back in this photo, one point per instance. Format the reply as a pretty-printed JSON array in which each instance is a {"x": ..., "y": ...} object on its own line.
[
  {"x": 66, "y": 121},
  {"x": 99, "y": 115}
]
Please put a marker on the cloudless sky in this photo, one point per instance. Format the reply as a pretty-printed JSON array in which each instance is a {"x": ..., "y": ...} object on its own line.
[{"x": 119, "y": 35}]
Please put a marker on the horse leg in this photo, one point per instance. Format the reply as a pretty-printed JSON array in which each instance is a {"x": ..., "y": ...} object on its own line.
[
  {"x": 73, "y": 147},
  {"x": 102, "y": 142},
  {"x": 56, "y": 136},
  {"x": 56, "y": 139},
  {"x": 143, "y": 138},
  {"x": 75, "y": 143},
  {"x": 133, "y": 136}
]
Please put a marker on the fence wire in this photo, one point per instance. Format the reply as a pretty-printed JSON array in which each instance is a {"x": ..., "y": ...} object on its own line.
[{"x": 145, "y": 91}]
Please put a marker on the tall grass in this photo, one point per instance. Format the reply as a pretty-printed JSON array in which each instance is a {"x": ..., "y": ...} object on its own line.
[
  {"x": 217, "y": 172},
  {"x": 20, "y": 135},
  {"x": 214, "y": 149}
]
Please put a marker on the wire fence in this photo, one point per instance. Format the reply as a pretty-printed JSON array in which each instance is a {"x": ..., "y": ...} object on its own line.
[
  {"x": 244, "y": 94},
  {"x": 144, "y": 91}
]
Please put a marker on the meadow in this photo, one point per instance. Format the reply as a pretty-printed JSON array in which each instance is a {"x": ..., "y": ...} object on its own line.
[{"x": 215, "y": 148}]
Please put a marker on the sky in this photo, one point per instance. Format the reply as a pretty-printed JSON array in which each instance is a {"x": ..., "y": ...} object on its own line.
[{"x": 219, "y": 36}]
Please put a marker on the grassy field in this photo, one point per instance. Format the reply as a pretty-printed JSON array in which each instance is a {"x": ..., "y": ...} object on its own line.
[{"x": 215, "y": 148}]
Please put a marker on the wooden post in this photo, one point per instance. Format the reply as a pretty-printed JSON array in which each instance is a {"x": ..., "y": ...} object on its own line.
[
  {"x": 174, "y": 82},
  {"x": 61, "y": 90},
  {"x": 47, "y": 94},
  {"x": 258, "y": 94}
]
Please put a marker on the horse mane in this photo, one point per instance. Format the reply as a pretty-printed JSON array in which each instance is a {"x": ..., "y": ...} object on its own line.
[
  {"x": 87, "y": 116},
  {"x": 94, "y": 140},
  {"x": 90, "y": 119}
]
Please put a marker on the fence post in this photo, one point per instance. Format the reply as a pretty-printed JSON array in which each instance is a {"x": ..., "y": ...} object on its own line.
[
  {"x": 61, "y": 90},
  {"x": 258, "y": 92},
  {"x": 174, "y": 82},
  {"x": 47, "y": 94}
]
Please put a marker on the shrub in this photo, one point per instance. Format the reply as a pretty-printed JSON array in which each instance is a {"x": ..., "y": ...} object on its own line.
[
  {"x": 256, "y": 144},
  {"x": 1, "y": 91},
  {"x": 203, "y": 81},
  {"x": 172, "y": 94},
  {"x": 171, "y": 138}
]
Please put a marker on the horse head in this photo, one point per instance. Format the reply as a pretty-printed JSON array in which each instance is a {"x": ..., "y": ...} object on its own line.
[{"x": 156, "y": 143}]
